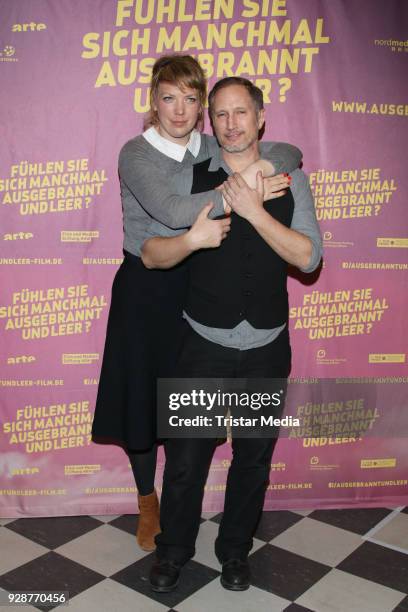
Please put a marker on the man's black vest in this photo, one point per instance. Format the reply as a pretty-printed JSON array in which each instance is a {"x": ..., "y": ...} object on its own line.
[{"x": 243, "y": 278}]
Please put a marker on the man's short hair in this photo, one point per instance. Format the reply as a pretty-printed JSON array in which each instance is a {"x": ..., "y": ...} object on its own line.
[{"x": 254, "y": 91}]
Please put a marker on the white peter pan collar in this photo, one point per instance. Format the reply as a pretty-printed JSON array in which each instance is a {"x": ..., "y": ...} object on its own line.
[{"x": 171, "y": 149}]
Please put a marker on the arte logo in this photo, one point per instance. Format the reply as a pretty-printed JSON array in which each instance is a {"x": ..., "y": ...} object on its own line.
[
  {"x": 25, "y": 471},
  {"x": 278, "y": 467},
  {"x": 28, "y": 27},
  {"x": 20, "y": 359},
  {"x": 8, "y": 54},
  {"x": 18, "y": 236}
]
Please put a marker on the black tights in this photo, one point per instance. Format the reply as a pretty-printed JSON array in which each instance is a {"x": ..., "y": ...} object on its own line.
[{"x": 144, "y": 468}]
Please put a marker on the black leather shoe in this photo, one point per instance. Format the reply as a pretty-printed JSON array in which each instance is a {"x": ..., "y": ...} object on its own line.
[
  {"x": 235, "y": 575},
  {"x": 164, "y": 576}
]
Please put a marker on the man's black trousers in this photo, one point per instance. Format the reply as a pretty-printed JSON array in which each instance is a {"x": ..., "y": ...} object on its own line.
[{"x": 188, "y": 460}]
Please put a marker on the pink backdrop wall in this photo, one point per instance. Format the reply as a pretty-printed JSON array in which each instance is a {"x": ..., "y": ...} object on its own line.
[{"x": 74, "y": 81}]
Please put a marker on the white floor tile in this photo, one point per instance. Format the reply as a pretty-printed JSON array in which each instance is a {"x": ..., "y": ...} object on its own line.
[
  {"x": 394, "y": 533},
  {"x": 110, "y": 596},
  {"x": 214, "y": 597},
  {"x": 17, "y": 550},
  {"x": 339, "y": 591},
  {"x": 318, "y": 541},
  {"x": 302, "y": 512},
  {"x": 209, "y": 515},
  {"x": 106, "y": 550}
]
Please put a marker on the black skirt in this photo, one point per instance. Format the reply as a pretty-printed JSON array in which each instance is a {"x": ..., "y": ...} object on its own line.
[{"x": 143, "y": 340}]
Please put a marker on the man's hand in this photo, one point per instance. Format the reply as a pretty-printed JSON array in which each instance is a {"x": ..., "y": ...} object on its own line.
[
  {"x": 207, "y": 233},
  {"x": 244, "y": 201}
]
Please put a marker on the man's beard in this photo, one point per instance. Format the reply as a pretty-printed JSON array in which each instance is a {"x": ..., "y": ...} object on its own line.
[{"x": 238, "y": 148}]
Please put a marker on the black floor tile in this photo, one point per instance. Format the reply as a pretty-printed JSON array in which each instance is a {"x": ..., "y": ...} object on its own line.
[
  {"x": 50, "y": 572},
  {"x": 273, "y": 569},
  {"x": 274, "y": 523},
  {"x": 405, "y": 510},
  {"x": 217, "y": 518},
  {"x": 402, "y": 606},
  {"x": 126, "y": 522},
  {"x": 382, "y": 565},
  {"x": 54, "y": 531},
  {"x": 357, "y": 520},
  {"x": 129, "y": 522},
  {"x": 193, "y": 577},
  {"x": 284, "y": 573}
]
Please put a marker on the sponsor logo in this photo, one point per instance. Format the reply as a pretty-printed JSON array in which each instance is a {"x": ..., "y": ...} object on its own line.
[
  {"x": 321, "y": 358},
  {"x": 73, "y": 470},
  {"x": 8, "y": 54},
  {"x": 396, "y": 243},
  {"x": 316, "y": 465},
  {"x": 378, "y": 463},
  {"x": 79, "y": 358},
  {"x": 397, "y": 46},
  {"x": 329, "y": 242},
  {"x": 78, "y": 236},
  {"x": 386, "y": 358}
]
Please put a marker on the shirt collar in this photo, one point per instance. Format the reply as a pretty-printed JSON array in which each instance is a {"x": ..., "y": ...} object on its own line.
[
  {"x": 171, "y": 149},
  {"x": 217, "y": 162}
]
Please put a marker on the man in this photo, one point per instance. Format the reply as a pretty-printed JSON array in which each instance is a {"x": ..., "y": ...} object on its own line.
[{"x": 237, "y": 309}]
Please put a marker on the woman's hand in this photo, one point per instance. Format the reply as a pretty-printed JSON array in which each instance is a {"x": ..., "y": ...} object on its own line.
[
  {"x": 207, "y": 233},
  {"x": 275, "y": 186}
]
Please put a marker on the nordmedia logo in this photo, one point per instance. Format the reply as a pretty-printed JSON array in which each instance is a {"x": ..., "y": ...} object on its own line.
[
  {"x": 393, "y": 45},
  {"x": 8, "y": 54}
]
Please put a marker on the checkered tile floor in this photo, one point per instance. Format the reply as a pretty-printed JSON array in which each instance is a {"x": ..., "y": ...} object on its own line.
[{"x": 322, "y": 560}]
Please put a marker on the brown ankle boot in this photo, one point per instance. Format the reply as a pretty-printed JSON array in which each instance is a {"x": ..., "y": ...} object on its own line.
[{"x": 149, "y": 524}]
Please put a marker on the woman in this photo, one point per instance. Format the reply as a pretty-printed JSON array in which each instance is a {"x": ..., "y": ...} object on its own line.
[{"x": 145, "y": 326}]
